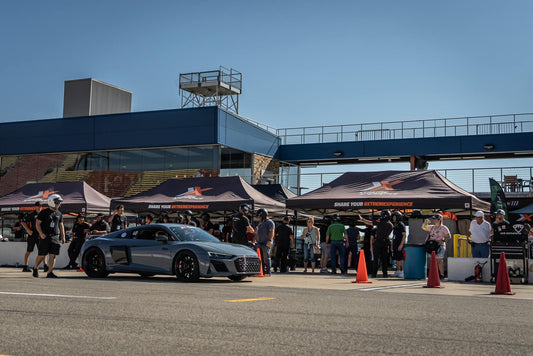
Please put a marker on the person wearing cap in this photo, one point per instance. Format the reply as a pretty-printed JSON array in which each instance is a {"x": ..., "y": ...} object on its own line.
[
  {"x": 100, "y": 226},
  {"x": 79, "y": 233},
  {"x": 33, "y": 236},
  {"x": 188, "y": 218},
  {"x": 51, "y": 230},
  {"x": 499, "y": 224},
  {"x": 479, "y": 236},
  {"x": 441, "y": 234},
  {"x": 241, "y": 226}
]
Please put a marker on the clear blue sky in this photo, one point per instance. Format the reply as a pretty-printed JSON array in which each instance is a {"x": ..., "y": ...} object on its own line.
[{"x": 303, "y": 62}]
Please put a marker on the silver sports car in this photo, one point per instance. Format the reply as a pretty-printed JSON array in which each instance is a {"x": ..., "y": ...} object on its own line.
[{"x": 182, "y": 250}]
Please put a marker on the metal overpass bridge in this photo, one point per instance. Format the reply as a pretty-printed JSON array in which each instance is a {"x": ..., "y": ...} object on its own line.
[{"x": 420, "y": 141}]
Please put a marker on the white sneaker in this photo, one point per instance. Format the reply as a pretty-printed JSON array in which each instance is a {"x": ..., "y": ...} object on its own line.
[
  {"x": 396, "y": 273},
  {"x": 400, "y": 274}
]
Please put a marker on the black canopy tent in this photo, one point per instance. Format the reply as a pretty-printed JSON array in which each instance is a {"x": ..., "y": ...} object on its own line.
[
  {"x": 209, "y": 194},
  {"x": 363, "y": 192},
  {"x": 78, "y": 197},
  {"x": 275, "y": 191}
]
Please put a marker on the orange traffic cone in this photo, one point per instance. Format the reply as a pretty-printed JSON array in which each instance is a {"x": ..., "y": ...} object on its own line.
[
  {"x": 362, "y": 275},
  {"x": 261, "y": 274},
  {"x": 433, "y": 278},
  {"x": 503, "y": 285}
]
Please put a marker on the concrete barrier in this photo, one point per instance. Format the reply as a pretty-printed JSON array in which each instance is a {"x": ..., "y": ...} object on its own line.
[{"x": 12, "y": 253}]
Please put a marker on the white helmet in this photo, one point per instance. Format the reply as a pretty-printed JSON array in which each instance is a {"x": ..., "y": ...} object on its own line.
[{"x": 53, "y": 199}]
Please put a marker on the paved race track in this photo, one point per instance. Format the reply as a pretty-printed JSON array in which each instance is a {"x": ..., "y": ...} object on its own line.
[{"x": 281, "y": 315}]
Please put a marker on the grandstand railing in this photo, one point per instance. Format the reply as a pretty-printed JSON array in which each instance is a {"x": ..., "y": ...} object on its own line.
[{"x": 462, "y": 126}]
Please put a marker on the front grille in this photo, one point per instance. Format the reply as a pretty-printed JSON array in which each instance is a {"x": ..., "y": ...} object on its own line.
[{"x": 248, "y": 264}]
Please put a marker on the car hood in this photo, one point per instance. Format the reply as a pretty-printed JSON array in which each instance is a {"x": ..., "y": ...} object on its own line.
[{"x": 233, "y": 249}]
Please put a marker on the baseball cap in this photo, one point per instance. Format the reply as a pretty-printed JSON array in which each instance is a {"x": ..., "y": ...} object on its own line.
[
  {"x": 100, "y": 215},
  {"x": 479, "y": 214},
  {"x": 500, "y": 212},
  {"x": 37, "y": 203}
]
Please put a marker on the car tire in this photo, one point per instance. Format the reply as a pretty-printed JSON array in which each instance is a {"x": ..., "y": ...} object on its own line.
[
  {"x": 93, "y": 263},
  {"x": 186, "y": 267},
  {"x": 237, "y": 278}
]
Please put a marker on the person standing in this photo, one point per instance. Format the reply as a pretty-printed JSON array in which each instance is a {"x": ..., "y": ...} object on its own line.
[
  {"x": 188, "y": 218},
  {"x": 18, "y": 229},
  {"x": 367, "y": 243},
  {"x": 33, "y": 236},
  {"x": 148, "y": 219},
  {"x": 100, "y": 226},
  {"x": 381, "y": 243},
  {"x": 324, "y": 248},
  {"x": 207, "y": 225},
  {"x": 311, "y": 237},
  {"x": 227, "y": 230},
  {"x": 499, "y": 224},
  {"x": 351, "y": 256},
  {"x": 479, "y": 236},
  {"x": 241, "y": 226},
  {"x": 336, "y": 239},
  {"x": 398, "y": 241},
  {"x": 79, "y": 233},
  {"x": 441, "y": 234},
  {"x": 264, "y": 237},
  {"x": 284, "y": 241},
  {"x": 51, "y": 231},
  {"x": 118, "y": 220}
]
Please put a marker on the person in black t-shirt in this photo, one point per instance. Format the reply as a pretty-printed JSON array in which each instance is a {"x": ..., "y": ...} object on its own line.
[
  {"x": 18, "y": 229},
  {"x": 33, "y": 236},
  {"x": 118, "y": 220},
  {"x": 51, "y": 230},
  {"x": 100, "y": 226},
  {"x": 227, "y": 230},
  {"x": 499, "y": 224},
  {"x": 206, "y": 223},
  {"x": 284, "y": 240},
  {"x": 79, "y": 233},
  {"x": 241, "y": 226}
]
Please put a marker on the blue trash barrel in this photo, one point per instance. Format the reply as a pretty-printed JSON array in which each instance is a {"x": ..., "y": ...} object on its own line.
[{"x": 414, "y": 266}]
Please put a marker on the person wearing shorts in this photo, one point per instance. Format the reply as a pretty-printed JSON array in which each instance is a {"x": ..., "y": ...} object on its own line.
[
  {"x": 51, "y": 230},
  {"x": 441, "y": 234},
  {"x": 28, "y": 223}
]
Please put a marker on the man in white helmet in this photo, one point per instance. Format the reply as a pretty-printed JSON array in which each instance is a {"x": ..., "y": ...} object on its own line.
[{"x": 51, "y": 231}]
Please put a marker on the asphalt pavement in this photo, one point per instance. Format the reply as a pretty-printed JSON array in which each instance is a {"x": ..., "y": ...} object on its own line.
[{"x": 292, "y": 314}]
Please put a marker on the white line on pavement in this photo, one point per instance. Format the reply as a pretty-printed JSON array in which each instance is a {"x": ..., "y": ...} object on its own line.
[
  {"x": 57, "y": 295},
  {"x": 391, "y": 287}
]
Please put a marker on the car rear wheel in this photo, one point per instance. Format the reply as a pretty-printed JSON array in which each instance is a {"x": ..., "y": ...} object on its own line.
[
  {"x": 237, "y": 278},
  {"x": 186, "y": 267},
  {"x": 93, "y": 263}
]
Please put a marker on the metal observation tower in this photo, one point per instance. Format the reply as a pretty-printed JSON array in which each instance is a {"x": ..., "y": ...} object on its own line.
[{"x": 217, "y": 87}]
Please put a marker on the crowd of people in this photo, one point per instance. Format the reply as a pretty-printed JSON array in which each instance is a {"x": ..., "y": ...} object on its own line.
[{"x": 383, "y": 239}]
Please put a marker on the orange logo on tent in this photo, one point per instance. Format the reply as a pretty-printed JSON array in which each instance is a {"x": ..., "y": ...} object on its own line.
[
  {"x": 194, "y": 191},
  {"x": 43, "y": 195},
  {"x": 383, "y": 185}
]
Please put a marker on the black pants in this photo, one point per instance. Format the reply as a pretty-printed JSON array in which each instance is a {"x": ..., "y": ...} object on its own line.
[
  {"x": 74, "y": 250},
  {"x": 381, "y": 254},
  {"x": 368, "y": 260},
  {"x": 355, "y": 257},
  {"x": 265, "y": 257},
  {"x": 282, "y": 258}
]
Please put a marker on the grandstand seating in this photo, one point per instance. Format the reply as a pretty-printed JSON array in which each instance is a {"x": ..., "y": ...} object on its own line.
[{"x": 152, "y": 179}]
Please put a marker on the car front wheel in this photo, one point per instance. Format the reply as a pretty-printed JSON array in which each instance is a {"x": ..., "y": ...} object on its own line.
[
  {"x": 186, "y": 267},
  {"x": 93, "y": 263}
]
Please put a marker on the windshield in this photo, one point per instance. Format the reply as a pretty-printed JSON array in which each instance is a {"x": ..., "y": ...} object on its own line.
[{"x": 191, "y": 233}]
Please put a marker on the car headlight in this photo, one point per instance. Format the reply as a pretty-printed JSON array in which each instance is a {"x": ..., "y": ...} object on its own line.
[{"x": 220, "y": 256}]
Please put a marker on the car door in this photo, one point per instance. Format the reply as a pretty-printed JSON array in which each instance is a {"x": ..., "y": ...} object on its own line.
[{"x": 148, "y": 253}]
